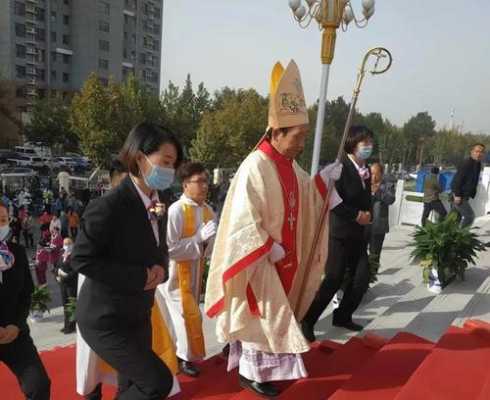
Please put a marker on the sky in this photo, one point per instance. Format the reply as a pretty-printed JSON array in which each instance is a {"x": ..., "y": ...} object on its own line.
[{"x": 441, "y": 52}]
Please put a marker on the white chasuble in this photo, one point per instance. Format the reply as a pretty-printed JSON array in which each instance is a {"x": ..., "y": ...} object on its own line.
[
  {"x": 182, "y": 291},
  {"x": 255, "y": 301}
]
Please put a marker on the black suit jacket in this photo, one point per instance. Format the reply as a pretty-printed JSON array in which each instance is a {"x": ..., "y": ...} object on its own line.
[
  {"x": 465, "y": 182},
  {"x": 16, "y": 291},
  {"x": 114, "y": 248},
  {"x": 355, "y": 198}
]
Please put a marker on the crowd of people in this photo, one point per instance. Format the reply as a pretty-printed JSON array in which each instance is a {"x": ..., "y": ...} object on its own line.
[{"x": 136, "y": 259}]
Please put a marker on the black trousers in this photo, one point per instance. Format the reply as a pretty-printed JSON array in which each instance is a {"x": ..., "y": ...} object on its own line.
[
  {"x": 28, "y": 238},
  {"x": 68, "y": 289},
  {"x": 376, "y": 241},
  {"x": 343, "y": 253},
  {"x": 22, "y": 359},
  {"x": 141, "y": 374},
  {"x": 435, "y": 205}
]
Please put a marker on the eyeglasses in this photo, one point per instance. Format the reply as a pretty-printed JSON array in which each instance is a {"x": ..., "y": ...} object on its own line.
[{"x": 203, "y": 182}]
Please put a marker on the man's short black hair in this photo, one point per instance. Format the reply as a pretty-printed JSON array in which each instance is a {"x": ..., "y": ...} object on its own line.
[
  {"x": 434, "y": 170},
  {"x": 190, "y": 168},
  {"x": 117, "y": 167},
  {"x": 357, "y": 134}
]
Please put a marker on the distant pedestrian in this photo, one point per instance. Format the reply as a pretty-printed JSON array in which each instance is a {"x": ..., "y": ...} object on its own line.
[
  {"x": 73, "y": 222},
  {"x": 42, "y": 261},
  {"x": 27, "y": 230},
  {"x": 432, "y": 202},
  {"x": 383, "y": 196},
  {"x": 465, "y": 183},
  {"x": 67, "y": 279}
]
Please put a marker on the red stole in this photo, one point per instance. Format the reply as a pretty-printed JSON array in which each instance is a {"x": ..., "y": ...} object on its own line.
[{"x": 287, "y": 267}]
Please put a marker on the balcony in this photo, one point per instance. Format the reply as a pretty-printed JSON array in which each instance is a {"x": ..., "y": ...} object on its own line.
[
  {"x": 32, "y": 50},
  {"x": 31, "y": 92},
  {"x": 31, "y": 30}
]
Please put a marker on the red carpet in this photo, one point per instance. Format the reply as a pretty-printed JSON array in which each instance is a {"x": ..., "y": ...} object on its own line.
[
  {"x": 383, "y": 376},
  {"x": 405, "y": 368},
  {"x": 456, "y": 369}
]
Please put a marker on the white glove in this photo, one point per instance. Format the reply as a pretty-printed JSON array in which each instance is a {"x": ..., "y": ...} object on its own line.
[
  {"x": 62, "y": 274},
  {"x": 207, "y": 231},
  {"x": 332, "y": 172},
  {"x": 277, "y": 253}
]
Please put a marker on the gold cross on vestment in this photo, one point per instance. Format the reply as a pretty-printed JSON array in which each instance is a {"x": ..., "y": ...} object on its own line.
[{"x": 291, "y": 220}]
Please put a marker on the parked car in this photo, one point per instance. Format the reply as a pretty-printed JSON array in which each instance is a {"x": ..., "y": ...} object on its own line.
[{"x": 26, "y": 161}]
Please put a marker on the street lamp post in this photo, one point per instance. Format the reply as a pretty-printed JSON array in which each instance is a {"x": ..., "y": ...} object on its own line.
[{"x": 330, "y": 15}]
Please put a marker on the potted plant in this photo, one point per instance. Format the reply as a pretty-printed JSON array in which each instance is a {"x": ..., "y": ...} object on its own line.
[
  {"x": 39, "y": 302},
  {"x": 444, "y": 251},
  {"x": 71, "y": 308}
]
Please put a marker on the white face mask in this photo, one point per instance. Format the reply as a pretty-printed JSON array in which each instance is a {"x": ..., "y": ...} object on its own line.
[
  {"x": 4, "y": 232},
  {"x": 68, "y": 248}
]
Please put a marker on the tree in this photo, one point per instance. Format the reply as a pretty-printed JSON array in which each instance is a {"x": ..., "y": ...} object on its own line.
[
  {"x": 183, "y": 110},
  {"x": 10, "y": 122},
  {"x": 50, "y": 123},
  {"x": 102, "y": 116},
  {"x": 92, "y": 115},
  {"x": 419, "y": 130},
  {"x": 229, "y": 133}
]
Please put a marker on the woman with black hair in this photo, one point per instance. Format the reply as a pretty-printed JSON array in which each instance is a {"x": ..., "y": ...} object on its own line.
[
  {"x": 17, "y": 350},
  {"x": 121, "y": 249},
  {"x": 347, "y": 242}
]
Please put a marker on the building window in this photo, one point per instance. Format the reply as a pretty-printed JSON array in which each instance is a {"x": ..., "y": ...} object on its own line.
[
  {"x": 53, "y": 75},
  {"x": 20, "y": 91},
  {"x": 53, "y": 37},
  {"x": 20, "y": 51},
  {"x": 40, "y": 14},
  {"x": 66, "y": 2},
  {"x": 66, "y": 39},
  {"x": 157, "y": 13},
  {"x": 104, "y": 26},
  {"x": 20, "y": 8},
  {"x": 130, "y": 4},
  {"x": 103, "y": 64},
  {"x": 40, "y": 73},
  {"x": 53, "y": 56},
  {"x": 156, "y": 45},
  {"x": 142, "y": 58},
  {"x": 41, "y": 35},
  {"x": 103, "y": 45},
  {"x": 53, "y": 17},
  {"x": 66, "y": 59},
  {"x": 20, "y": 71},
  {"x": 66, "y": 77},
  {"x": 127, "y": 71},
  {"x": 104, "y": 81},
  {"x": 66, "y": 19},
  {"x": 104, "y": 8},
  {"x": 20, "y": 30},
  {"x": 125, "y": 53}
]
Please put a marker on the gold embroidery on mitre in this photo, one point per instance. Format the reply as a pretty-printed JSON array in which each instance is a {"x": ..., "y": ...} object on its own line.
[{"x": 287, "y": 102}]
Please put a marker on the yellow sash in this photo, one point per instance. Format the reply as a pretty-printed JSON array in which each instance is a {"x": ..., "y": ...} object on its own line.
[{"x": 190, "y": 304}]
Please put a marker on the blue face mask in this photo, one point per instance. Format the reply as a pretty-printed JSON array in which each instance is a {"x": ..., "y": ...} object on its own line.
[
  {"x": 4, "y": 232},
  {"x": 159, "y": 178},
  {"x": 364, "y": 152}
]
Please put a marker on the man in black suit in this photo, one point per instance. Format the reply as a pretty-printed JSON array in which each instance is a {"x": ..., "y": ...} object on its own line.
[
  {"x": 347, "y": 244},
  {"x": 465, "y": 183}
]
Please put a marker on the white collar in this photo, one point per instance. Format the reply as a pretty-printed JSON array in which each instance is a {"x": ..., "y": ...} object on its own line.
[
  {"x": 147, "y": 201},
  {"x": 188, "y": 200},
  {"x": 358, "y": 167}
]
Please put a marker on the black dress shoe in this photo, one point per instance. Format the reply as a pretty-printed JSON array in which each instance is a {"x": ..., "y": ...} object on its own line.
[
  {"x": 189, "y": 369},
  {"x": 351, "y": 326},
  {"x": 265, "y": 389},
  {"x": 307, "y": 330}
]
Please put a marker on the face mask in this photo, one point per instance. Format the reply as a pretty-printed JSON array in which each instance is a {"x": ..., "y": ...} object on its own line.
[
  {"x": 4, "y": 232},
  {"x": 68, "y": 248},
  {"x": 364, "y": 152},
  {"x": 159, "y": 178}
]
